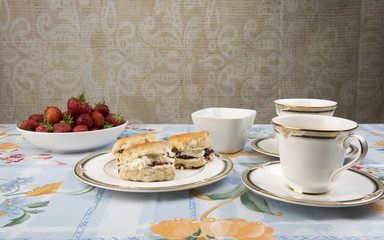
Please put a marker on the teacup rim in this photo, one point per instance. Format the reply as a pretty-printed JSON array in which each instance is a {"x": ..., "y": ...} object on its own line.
[
  {"x": 313, "y": 129},
  {"x": 251, "y": 112},
  {"x": 331, "y": 102}
]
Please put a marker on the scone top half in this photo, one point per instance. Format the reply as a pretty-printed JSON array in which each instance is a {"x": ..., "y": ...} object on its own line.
[
  {"x": 128, "y": 142},
  {"x": 144, "y": 155},
  {"x": 190, "y": 145}
]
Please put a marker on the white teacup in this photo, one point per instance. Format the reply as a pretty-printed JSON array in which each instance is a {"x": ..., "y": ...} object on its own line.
[
  {"x": 291, "y": 106},
  {"x": 228, "y": 127},
  {"x": 312, "y": 150}
]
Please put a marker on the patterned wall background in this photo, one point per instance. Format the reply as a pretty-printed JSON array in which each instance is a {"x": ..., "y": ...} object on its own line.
[{"x": 158, "y": 61}]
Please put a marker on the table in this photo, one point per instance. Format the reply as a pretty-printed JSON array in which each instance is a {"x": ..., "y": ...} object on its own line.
[{"x": 40, "y": 197}]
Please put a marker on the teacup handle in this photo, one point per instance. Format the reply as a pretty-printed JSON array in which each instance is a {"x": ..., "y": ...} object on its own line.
[{"x": 362, "y": 153}]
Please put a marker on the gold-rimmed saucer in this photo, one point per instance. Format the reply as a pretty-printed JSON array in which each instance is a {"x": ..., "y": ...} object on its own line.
[{"x": 353, "y": 188}]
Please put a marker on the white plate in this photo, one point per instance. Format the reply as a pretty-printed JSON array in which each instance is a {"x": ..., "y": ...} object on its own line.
[
  {"x": 353, "y": 188},
  {"x": 100, "y": 170},
  {"x": 268, "y": 146}
]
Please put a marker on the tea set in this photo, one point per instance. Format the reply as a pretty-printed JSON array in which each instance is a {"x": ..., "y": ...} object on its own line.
[{"x": 314, "y": 150}]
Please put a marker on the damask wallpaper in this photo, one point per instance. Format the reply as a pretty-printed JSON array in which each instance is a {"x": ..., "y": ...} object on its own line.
[{"x": 158, "y": 61}]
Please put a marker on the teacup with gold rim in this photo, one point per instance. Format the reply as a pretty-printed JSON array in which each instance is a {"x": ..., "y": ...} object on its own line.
[
  {"x": 312, "y": 150},
  {"x": 301, "y": 106}
]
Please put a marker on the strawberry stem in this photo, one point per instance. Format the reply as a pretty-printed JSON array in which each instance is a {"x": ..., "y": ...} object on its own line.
[
  {"x": 100, "y": 103},
  {"x": 81, "y": 97},
  {"x": 48, "y": 126},
  {"x": 107, "y": 124},
  {"x": 117, "y": 117},
  {"x": 67, "y": 119}
]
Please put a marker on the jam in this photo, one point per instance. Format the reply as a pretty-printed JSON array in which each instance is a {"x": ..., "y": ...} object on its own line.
[
  {"x": 207, "y": 152},
  {"x": 156, "y": 163}
]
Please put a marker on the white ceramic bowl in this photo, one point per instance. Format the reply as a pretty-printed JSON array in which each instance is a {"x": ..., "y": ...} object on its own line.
[
  {"x": 291, "y": 106},
  {"x": 73, "y": 141},
  {"x": 228, "y": 127}
]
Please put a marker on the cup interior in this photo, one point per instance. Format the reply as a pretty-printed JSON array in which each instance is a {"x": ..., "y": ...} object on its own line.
[
  {"x": 305, "y": 102},
  {"x": 314, "y": 123},
  {"x": 224, "y": 113}
]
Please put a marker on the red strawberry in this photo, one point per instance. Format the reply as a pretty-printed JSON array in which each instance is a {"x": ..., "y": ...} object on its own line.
[
  {"x": 84, "y": 119},
  {"x": 37, "y": 117},
  {"x": 101, "y": 108},
  {"x": 61, "y": 127},
  {"x": 84, "y": 108},
  {"x": 44, "y": 127},
  {"x": 80, "y": 128},
  {"x": 53, "y": 115},
  {"x": 115, "y": 119},
  {"x": 73, "y": 106},
  {"x": 97, "y": 119},
  {"x": 78, "y": 105},
  {"x": 29, "y": 125}
]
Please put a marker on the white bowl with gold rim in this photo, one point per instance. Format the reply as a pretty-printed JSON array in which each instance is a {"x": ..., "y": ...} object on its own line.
[{"x": 290, "y": 106}]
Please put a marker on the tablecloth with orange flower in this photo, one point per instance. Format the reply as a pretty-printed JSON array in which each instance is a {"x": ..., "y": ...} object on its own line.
[{"x": 40, "y": 197}]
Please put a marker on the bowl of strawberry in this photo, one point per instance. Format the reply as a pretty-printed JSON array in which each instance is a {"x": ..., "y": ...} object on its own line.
[{"x": 77, "y": 129}]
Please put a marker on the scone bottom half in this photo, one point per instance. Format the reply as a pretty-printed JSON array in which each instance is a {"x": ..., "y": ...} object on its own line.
[{"x": 146, "y": 162}]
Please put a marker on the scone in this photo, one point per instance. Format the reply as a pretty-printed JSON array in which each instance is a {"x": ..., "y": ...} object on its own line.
[
  {"x": 128, "y": 142},
  {"x": 190, "y": 150},
  {"x": 146, "y": 162}
]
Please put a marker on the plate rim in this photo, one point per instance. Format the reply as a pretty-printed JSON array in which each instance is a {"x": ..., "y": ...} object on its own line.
[
  {"x": 261, "y": 150},
  {"x": 228, "y": 166},
  {"x": 257, "y": 148},
  {"x": 369, "y": 198}
]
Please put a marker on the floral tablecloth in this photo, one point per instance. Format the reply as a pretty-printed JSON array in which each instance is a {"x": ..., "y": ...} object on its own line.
[{"x": 40, "y": 197}]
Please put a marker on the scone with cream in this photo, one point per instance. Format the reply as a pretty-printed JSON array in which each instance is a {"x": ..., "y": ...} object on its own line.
[
  {"x": 190, "y": 150},
  {"x": 128, "y": 142},
  {"x": 146, "y": 162}
]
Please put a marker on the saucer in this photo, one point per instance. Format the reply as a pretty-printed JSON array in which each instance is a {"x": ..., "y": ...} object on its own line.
[
  {"x": 353, "y": 188},
  {"x": 268, "y": 146}
]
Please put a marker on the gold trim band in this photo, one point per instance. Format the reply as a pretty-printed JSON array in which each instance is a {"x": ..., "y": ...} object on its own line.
[
  {"x": 331, "y": 105},
  {"x": 307, "y": 193},
  {"x": 313, "y": 129}
]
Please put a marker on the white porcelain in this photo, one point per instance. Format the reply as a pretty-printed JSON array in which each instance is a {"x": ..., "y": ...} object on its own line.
[
  {"x": 290, "y": 106},
  {"x": 73, "y": 141},
  {"x": 100, "y": 170},
  {"x": 266, "y": 145},
  {"x": 228, "y": 127},
  {"x": 269, "y": 146},
  {"x": 353, "y": 188},
  {"x": 312, "y": 149}
]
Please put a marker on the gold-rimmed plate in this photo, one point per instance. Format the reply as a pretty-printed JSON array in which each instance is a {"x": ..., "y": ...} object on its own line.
[
  {"x": 100, "y": 170},
  {"x": 268, "y": 146},
  {"x": 352, "y": 188}
]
